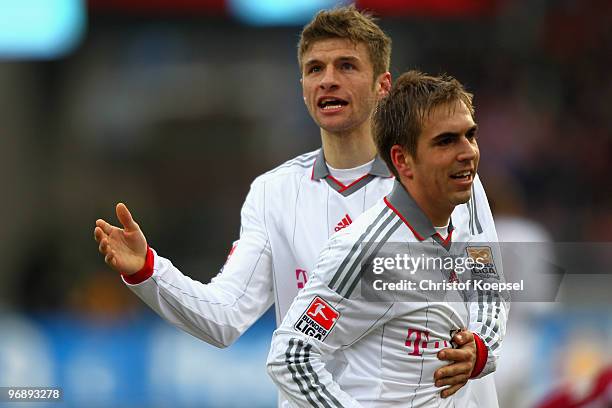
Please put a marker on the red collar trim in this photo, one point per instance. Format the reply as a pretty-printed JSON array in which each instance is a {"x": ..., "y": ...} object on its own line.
[
  {"x": 344, "y": 187},
  {"x": 313, "y": 167},
  {"x": 448, "y": 237},
  {"x": 416, "y": 234}
]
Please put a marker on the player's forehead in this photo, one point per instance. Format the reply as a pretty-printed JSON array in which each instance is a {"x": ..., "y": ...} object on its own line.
[
  {"x": 331, "y": 49},
  {"x": 452, "y": 117}
]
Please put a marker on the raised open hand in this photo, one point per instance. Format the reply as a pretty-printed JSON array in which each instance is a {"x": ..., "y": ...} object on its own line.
[{"x": 124, "y": 249}]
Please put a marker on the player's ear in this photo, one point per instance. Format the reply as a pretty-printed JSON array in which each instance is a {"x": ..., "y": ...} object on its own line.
[
  {"x": 302, "y": 84},
  {"x": 402, "y": 160},
  {"x": 384, "y": 84}
]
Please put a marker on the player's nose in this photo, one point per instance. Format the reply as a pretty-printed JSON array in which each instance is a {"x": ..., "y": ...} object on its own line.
[
  {"x": 329, "y": 79},
  {"x": 468, "y": 150}
]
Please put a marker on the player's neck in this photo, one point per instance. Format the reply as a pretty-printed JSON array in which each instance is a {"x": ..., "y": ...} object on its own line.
[
  {"x": 439, "y": 215},
  {"x": 346, "y": 151}
]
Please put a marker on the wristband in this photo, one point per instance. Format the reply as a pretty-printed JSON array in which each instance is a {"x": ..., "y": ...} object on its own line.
[
  {"x": 482, "y": 353},
  {"x": 144, "y": 273}
]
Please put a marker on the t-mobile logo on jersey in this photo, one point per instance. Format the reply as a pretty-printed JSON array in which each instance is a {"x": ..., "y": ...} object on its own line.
[
  {"x": 345, "y": 222},
  {"x": 302, "y": 277},
  {"x": 417, "y": 340}
]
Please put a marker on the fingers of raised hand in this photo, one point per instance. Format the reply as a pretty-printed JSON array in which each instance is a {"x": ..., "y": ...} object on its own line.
[
  {"x": 110, "y": 259},
  {"x": 104, "y": 226},
  {"x": 125, "y": 217},
  {"x": 99, "y": 235},
  {"x": 104, "y": 247}
]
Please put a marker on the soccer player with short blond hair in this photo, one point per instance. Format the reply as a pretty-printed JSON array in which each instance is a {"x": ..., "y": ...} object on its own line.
[{"x": 341, "y": 346}]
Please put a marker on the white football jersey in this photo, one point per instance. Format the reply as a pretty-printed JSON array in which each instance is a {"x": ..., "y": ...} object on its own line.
[
  {"x": 342, "y": 344},
  {"x": 287, "y": 218}
]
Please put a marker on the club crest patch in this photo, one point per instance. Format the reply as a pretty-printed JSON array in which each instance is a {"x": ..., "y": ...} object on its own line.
[
  {"x": 483, "y": 256},
  {"x": 318, "y": 319}
]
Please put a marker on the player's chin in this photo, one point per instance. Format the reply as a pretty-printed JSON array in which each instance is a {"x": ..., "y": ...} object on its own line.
[
  {"x": 461, "y": 197},
  {"x": 336, "y": 124}
]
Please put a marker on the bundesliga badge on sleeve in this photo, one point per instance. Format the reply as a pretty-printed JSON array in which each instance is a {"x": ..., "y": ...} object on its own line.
[
  {"x": 318, "y": 319},
  {"x": 485, "y": 265}
]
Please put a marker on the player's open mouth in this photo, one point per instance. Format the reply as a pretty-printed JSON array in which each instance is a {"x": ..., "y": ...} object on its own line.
[
  {"x": 462, "y": 176},
  {"x": 330, "y": 104}
]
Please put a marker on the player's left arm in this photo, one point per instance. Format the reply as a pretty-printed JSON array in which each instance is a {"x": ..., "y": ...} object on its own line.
[
  {"x": 478, "y": 347},
  {"x": 319, "y": 322}
]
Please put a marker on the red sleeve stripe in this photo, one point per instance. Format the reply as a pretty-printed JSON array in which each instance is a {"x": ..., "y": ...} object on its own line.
[{"x": 145, "y": 273}]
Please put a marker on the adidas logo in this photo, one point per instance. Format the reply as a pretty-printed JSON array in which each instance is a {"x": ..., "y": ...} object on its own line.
[{"x": 346, "y": 221}]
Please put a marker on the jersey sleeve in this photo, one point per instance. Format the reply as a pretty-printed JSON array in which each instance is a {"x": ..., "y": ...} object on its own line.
[
  {"x": 220, "y": 311},
  {"x": 318, "y": 323},
  {"x": 488, "y": 308}
]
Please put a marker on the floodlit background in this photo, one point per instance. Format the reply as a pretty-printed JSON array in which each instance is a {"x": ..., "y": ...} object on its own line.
[{"x": 174, "y": 107}]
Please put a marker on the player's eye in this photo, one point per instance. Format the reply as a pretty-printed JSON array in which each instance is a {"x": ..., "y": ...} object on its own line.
[
  {"x": 313, "y": 69},
  {"x": 444, "y": 141},
  {"x": 347, "y": 66},
  {"x": 472, "y": 135}
]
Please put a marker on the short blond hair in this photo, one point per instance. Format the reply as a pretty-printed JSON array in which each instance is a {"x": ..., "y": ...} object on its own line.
[
  {"x": 354, "y": 25},
  {"x": 400, "y": 116}
]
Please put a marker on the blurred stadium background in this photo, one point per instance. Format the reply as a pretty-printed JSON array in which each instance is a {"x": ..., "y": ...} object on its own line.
[{"x": 174, "y": 106}]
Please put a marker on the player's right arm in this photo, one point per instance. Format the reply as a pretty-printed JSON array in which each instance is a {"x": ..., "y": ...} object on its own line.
[
  {"x": 489, "y": 309},
  {"x": 217, "y": 312}
]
